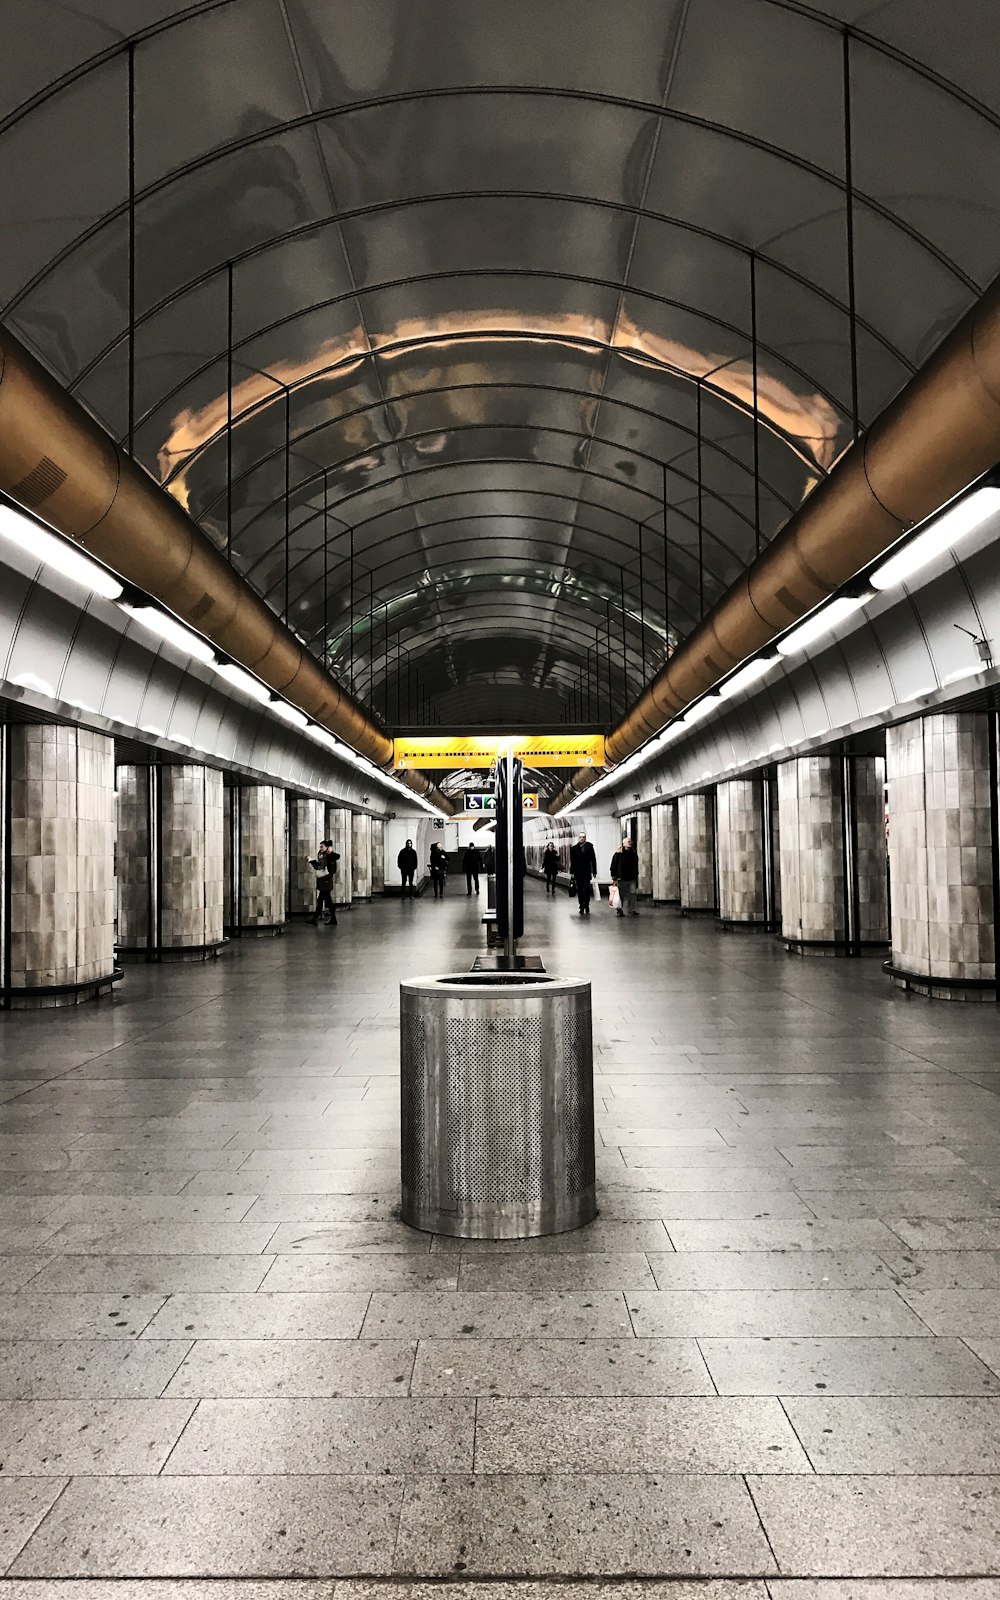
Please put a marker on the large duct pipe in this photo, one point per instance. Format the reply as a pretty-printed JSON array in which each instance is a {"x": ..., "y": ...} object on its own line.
[
  {"x": 940, "y": 433},
  {"x": 57, "y": 461}
]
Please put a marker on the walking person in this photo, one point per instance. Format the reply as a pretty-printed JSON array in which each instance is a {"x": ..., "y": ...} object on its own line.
[
  {"x": 406, "y": 861},
  {"x": 625, "y": 872},
  {"x": 324, "y": 865},
  {"x": 550, "y": 867},
  {"x": 583, "y": 871},
  {"x": 439, "y": 870},
  {"x": 471, "y": 866}
]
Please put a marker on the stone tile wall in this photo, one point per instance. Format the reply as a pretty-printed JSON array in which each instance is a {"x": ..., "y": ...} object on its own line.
[
  {"x": 191, "y": 857},
  {"x": 262, "y": 820},
  {"x": 775, "y": 854},
  {"x": 306, "y": 827},
  {"x": 940, "y": 846},
  {"x": 869, "y": 804},
  {"x": 644, "y": 850},
  {"x": 739, "y": 825},
  {"x": 378, "y": 855},
  {"x": 62, "y": 832},
  {"x": 338, "y": 828},
  {"x": 361, "y": 856},
  {"x": 696, "y": 842},
  {"x": 665, "y": 853},
  {"x": 132, "y": 857},
  {"x": 812, "y": 854}
]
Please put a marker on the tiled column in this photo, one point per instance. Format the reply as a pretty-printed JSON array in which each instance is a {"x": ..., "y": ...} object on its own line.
[
  {"x": 665, "y": 853},
  {"x": 378, "y": 855},
  {"x": 262, "y": 858},
  {"x": 190, "y": 859},
  {"x": 833, "y": 891},
  {"x": 644, "y": 850},
  {"x": 306, "y": 827},
  {"x": 136, "y": 913},
  {"x": 739, "y": 821},
  {"x": 62, "y": 872},
  {"x": 696, "y": 840},
  {"x": 338, "y": 828},
  {"x": 361, "y": 856},
  {"x": 941, "y": 854}
]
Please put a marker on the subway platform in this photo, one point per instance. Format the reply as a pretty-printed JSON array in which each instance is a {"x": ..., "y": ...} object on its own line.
[{"x": 770, "y": 1370}]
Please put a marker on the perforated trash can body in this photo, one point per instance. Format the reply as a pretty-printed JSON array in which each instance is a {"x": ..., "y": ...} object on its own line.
[{"x": 497, "y": 1105}]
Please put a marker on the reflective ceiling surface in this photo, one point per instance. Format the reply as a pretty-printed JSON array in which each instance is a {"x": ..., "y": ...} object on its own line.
[{"x": 498, "y": 275}]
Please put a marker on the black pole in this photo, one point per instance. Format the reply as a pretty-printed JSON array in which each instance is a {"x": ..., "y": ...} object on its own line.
[
  {"x": 288, "y": 487},
  {"x": 350, "y": 662},
  {"x": 131, "y": 249},
  {"x": 701, "y": 529},
  {"x": 756, "y": 406},
  {"x": 326, "y": 568},
  {"x": 385, "y": 660},
  {"x": 621, "y": 575},
  {"x": 849, "y": 215},
  {"x": 399, "y": 675},
  {"x": 371, "y": 634},
  {"x": 229, "y": 411},
  {"x": 642, "y": 607},
  {"x": 611, "y": 710},
  {"x": 666, "y": 570}
]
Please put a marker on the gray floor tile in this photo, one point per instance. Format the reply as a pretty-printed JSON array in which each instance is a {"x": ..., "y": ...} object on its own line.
[
  {"x": 605, "y": 1236},
  {"x": 368, "y": 1204},
  {"x": 899, "y": 1434},
  {"x": 975, "y": 1234},
  {"x": 987, "y": 1350},
  {"x": 363, "y": 1270},
  {"x": 296, "y": 1368},
  {"x": 776, "y": 1234},
  {"x": 882, "y": 1589},
  {"x": 513, "y": 1316},
  {"x": 525, "y": 1273},
  {"x": 104, "y": 1210},
  {"x": 354, "y": 1436},
  {"x": 771, "y": 1313},
  {"x": 674, "y": 1434},
  {"x": 23, "y": 1504},
  {"x": 945, "y": 1269},
  {"x": 52, "y": 1438},
  {"x": 851, "y": 1366},
  {"x": 881, "y": 1525},
  {"x": 166, "y": 1238},
  {"x": 553, "y": 1367},
  {"x": 153, "y": 1274},
  {"x": 956, "y": 1312},
  {"x": 765, "y": 1269},
  {"x": 331, "y": 1238},
  {"x": 572, "y": 1524},
  {"x": 51, "y": 1369},
  {"x": 260, "y": 1316},
  {"x": 164, "y": 1526},
  {"x": 15, "y": 1271},
  {"x": 32, "y": 1315}
]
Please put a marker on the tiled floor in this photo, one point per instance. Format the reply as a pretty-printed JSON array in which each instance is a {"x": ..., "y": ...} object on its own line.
[{"x": 771, "y": 1368}]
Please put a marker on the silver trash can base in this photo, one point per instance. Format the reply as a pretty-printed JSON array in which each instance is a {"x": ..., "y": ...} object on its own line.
[{"x": 497, "y": 1105}]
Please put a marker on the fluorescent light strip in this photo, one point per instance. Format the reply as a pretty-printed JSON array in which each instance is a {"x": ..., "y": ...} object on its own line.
[
  {"x": 746, "y": 676},
  {"x": 821, "y": 622},
  {"x": 59, "y": 554},
  {"x": 243, "y": 681},
  {"x": 167, "y": 627},
  {"x": 290, "y": 714},
  {"x": 938, "y": 537}
]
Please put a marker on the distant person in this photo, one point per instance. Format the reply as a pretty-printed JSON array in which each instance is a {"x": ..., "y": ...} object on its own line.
[
  {"x": 583, "y": 871},
  {"x": 439, "y": 870},
  {"x": 550, "y": 867},
  {"x": 471, "y": 866},
  {"x": 324, "y": 864},
  {"x": 625, "y": 872},
  {"x": 406, "y": 861}
]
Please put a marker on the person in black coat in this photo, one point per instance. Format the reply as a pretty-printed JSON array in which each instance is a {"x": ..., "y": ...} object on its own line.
[
  {"x": 439, "y": 870},
  {"x": 324, "y": 864},
  {"x": 625, "y": 872},
  {"x": 406, "y": 861},
  {"x": 471, "y": 866},
  {"x": 583, "y": 870},
  {"x": 550, "y": 867}
]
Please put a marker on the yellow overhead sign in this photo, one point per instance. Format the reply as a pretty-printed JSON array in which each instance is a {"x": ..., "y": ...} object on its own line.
[{"x": 534, "y": 749}]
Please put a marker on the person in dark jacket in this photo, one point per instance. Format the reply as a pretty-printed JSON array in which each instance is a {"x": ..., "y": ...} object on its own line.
[
  {"x": 583, "y": 870},
  {"x": 406, "y": 861},
  {"x": 625, "y": 872},
  {"x": 550, "y": 867},
  {"x": 439, "y": 870},
  {"x": 471, "y": 866},
  {"x": 324, "y": 864}
]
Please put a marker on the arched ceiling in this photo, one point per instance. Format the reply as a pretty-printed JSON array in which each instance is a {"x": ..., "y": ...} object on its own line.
[{"x": 497, "y": 275}]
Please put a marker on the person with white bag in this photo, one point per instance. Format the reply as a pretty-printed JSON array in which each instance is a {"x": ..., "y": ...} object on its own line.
[
  {"x": 583, "y": 870},
  {"x": 625, "y": 878}
]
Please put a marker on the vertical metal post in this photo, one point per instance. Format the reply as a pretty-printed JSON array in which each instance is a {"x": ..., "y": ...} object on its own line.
[
  {"x": 229, "y": 411},
  {"x": 131, "y": 249},
  {"x": 642, "y": 607},
  {"x": 326, "y": 571},
  {"x": 288, "y": 487},
  {"x": 385, "y": 661},
  {"x": 399, "y": 675},
  {"x": 666, "y": 570},
  {"x": 350, "y": 661},
  {"x": 849, "y": 232},
  {"x": 6, "y": 798},
  {"x": 621, "y": 575},
  {"x": 701, "y": 526},
  {"x": 511, "y": 942},
  {"x": 756, "y": 404},
  {"x": 371, "y": 634},
  {"x": 607, "y": 639}
]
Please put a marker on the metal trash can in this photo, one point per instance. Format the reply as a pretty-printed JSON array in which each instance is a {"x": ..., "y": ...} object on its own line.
[{"x": 497, "y": 1105}]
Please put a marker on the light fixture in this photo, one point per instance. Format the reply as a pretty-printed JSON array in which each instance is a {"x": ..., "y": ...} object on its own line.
[
  {"x": 242, "y": 680},
  {"x": 700, "y": 710},
  {"x": 290, "y": 714},
  {"x": 322, "y": 737},
  {"x": 58, "y": 554},
  {"x": 747, "y": 675},
  {"x": 167, "y": 627},
  {"x": 821, "y": 622},
  {"x": 940, "y": 535}
]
